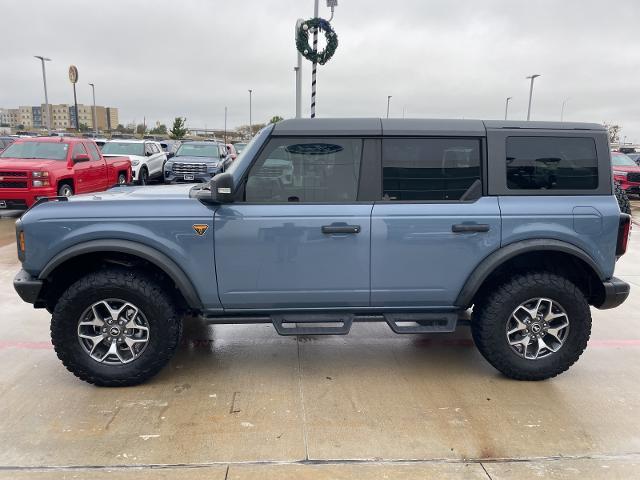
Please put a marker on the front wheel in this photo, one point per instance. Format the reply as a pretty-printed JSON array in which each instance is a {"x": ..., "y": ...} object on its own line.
[
  {"x": 65, "y": 190},
  {"x": 143, "y": 177},
  {"x": 115, "y": 328},
  {"x": 533, "y": 326}
]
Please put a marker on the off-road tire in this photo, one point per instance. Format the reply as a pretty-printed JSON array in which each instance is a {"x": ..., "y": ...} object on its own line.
[
  {"x": 491, "y": 314},
  {"x": 623, "y": 199},
  {"x": 159, "y": 308}
]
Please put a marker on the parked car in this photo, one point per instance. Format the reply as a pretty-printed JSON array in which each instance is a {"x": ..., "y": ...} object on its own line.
[
  {"x": 239, "y": 147},
  {"x": 32, "y": 169},
  {"x": 196, "y": 162},
  {"x": 407, "y": 222},
  {"x": 626, "y": 173},
  {"x": 147, "y": 157},
  {"x": 5, "y": 142}
]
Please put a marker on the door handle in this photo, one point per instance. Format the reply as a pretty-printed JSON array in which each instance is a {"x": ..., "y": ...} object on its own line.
[
  {"x": 469, "y": 227},
  {"x": 341, "y": 228}
]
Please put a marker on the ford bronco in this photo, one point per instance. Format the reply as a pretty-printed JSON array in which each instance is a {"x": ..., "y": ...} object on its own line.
[{"x": 321, "y": 223}]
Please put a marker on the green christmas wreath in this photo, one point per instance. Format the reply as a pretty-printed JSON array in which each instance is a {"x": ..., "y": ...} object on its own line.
[{"x": 302, "y": 40}]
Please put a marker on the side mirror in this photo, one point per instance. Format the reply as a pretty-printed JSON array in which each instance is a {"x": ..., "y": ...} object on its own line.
[
  {"x": 221, "y": 190},
  {"x": 147, "y": 154},
  {"x": 83, "y": 157},
  {"x": 170, "y": 155}
]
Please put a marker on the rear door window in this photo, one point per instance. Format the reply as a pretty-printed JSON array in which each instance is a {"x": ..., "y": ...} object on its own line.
[
  {"x": 551, "y": 163},
  {"x": 429, "y": 169}
]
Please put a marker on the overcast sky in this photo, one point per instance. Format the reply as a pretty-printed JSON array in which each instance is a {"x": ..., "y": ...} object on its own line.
[{"x": 438, "y": 58}]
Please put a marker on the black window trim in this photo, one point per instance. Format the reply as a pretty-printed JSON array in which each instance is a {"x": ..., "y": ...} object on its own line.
[{"x": 482, "y": 150}]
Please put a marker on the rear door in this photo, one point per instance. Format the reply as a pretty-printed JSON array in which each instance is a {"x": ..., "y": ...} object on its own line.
[
  {"x": 432, "y": 225},
  {"x": 299, "y": 238}
]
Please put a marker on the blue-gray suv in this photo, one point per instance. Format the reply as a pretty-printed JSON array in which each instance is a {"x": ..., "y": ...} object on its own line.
[
  {"x": 324, "y": 222},
  {"x": 196, "y": 162}
]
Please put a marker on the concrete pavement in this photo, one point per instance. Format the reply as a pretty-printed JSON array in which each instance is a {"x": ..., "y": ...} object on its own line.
[{"x": 240, "y": 402}]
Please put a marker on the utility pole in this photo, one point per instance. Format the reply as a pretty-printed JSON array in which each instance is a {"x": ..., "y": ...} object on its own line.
[
  {"x": 532, "y": 77},
  {"x": 562, "y": 109},
  {"x": 250, "y": 119},
  {"x": 388, "y": 102},
  {"x": 506, "y": 107},
  {"x": 298, "y": 70},
  {"x": 95, "y": 116},
  {"x": 46, "y": 97}
]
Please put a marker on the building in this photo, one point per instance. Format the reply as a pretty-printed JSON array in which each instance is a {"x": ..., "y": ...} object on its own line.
[
  {"x": 25, "y": 117},
  {"x": 63, "y": 116}
]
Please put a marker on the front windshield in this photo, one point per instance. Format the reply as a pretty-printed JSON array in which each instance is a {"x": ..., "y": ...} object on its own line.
[
  {"x": 621, "y": 160},
  {"x": 194, "y": 150},
  {"x": 123, "y": 148},
  {"x": 37, "y": 150}
]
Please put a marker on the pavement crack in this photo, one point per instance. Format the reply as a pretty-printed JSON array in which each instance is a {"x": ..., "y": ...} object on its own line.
[
  {"x": 481, "y": 464},
  {"x": 226, "y": 473}
]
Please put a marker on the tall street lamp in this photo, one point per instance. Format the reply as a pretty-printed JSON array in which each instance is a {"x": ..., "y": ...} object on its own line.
[
  {"x": 388, "y": 102},
  {"x": 506, "y": 107},
  {"x": 562, "y": 109},
  {"x": 95, "y": 115},
  {"x": 250, "y": 120},
  {"x": 532, "y": 77},
  {"x": 46, "y": 97}
]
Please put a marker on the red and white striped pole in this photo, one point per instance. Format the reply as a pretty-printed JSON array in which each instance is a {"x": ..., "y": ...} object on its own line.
[{"x": 315, "y": 64}]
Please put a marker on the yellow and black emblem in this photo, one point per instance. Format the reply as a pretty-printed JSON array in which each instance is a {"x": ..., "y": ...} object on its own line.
[{"x": 201, "y": 228}]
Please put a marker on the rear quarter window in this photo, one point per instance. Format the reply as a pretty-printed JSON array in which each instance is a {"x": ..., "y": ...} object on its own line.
[{"x": 551, "y": 163}]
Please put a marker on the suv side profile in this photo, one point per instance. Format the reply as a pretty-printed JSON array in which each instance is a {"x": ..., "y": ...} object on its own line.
[
  {"x": 147, "y": 157},
  {"x": 321, "y": 223}
]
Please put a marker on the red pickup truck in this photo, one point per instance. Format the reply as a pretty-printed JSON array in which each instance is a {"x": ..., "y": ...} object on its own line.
[{"x": 34, "y": 168}]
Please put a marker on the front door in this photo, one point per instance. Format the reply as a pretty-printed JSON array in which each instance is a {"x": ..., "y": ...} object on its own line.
[
  {"x": 83, "y": 174},
  {"x": 432, "y": 226},
  {"x": 300, "y": 239}
]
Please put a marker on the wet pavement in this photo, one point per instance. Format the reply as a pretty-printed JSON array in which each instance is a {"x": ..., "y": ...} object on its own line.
[{"x": 240, "y": 402}]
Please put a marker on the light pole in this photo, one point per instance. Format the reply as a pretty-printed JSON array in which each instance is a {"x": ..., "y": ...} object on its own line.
[
  {"x": 298, "y": 70},
  {"x": 95, "y": 115},
  {"x": 388, "y": 102},
  {"x": 250, "y": 120},
  {"x": 532, "y": 77},
  {"x": 225, "y": 124},
  {"x": 506, "y": 107},
  {"x": 46, "y": 97},
  {"x": 562, "y": 109}
]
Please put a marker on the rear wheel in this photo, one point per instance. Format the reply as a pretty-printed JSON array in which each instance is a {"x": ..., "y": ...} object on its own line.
[
  {"x": 65, "y": 190},
  {"x": 115, "y": 328},
  {"x": 533, "y": 326},
  {"x": 122, "y": 179}
]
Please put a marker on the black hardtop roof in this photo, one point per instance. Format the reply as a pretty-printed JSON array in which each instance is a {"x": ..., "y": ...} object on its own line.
[{"x": 413, "y": 126}]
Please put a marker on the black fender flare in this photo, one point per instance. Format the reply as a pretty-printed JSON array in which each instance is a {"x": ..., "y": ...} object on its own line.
[
  {"x": 152, "y": 255},
  {"x": 500, "y": 256}
]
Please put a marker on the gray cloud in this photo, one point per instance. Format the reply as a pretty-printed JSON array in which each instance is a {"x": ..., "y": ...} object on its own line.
[{"x": 440, "y": 58}]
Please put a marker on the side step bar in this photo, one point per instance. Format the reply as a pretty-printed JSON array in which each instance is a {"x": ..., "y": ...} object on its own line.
[
  {"x": 319, "y": 324},
  {"x": 422, "y": 322}
]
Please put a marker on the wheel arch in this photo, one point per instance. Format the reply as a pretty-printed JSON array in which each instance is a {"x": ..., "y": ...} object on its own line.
[
  {"x": 558, "y": 255},
  {"x": 132, "y": 249}
]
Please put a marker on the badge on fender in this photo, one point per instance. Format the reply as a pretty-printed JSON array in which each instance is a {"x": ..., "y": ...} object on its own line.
[{"x": 200, "y": 228}]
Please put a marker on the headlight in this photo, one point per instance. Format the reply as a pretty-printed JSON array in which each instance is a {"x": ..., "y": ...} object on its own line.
[
  {"x": 41, "y": 183},
  {"x": 135, "y": 163},
  {"x": 39, "y": 174},
  {"x": 168, "y": 166},
  {"x": 213, "y": 165},
  {"x": 620, "y": 174}
]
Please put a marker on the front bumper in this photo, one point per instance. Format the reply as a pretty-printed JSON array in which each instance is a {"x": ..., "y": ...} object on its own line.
[
  {"x": 616, "y": 292},
  {"x": 28, "y": 287},
  {"x": 171, "y": 177},
  {"x": 22, "y": 199}
]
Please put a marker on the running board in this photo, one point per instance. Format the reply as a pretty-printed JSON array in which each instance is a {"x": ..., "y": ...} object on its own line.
[
  {"x": 313, "y": 324},
  {"x": 422, "y": 322}
]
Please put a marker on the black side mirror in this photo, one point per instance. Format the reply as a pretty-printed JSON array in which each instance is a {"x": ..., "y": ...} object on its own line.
[
  {"x": 221, "y": 190},
  {"x": 170, "y": 155},
  {"x": 147, "y": 154}
]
